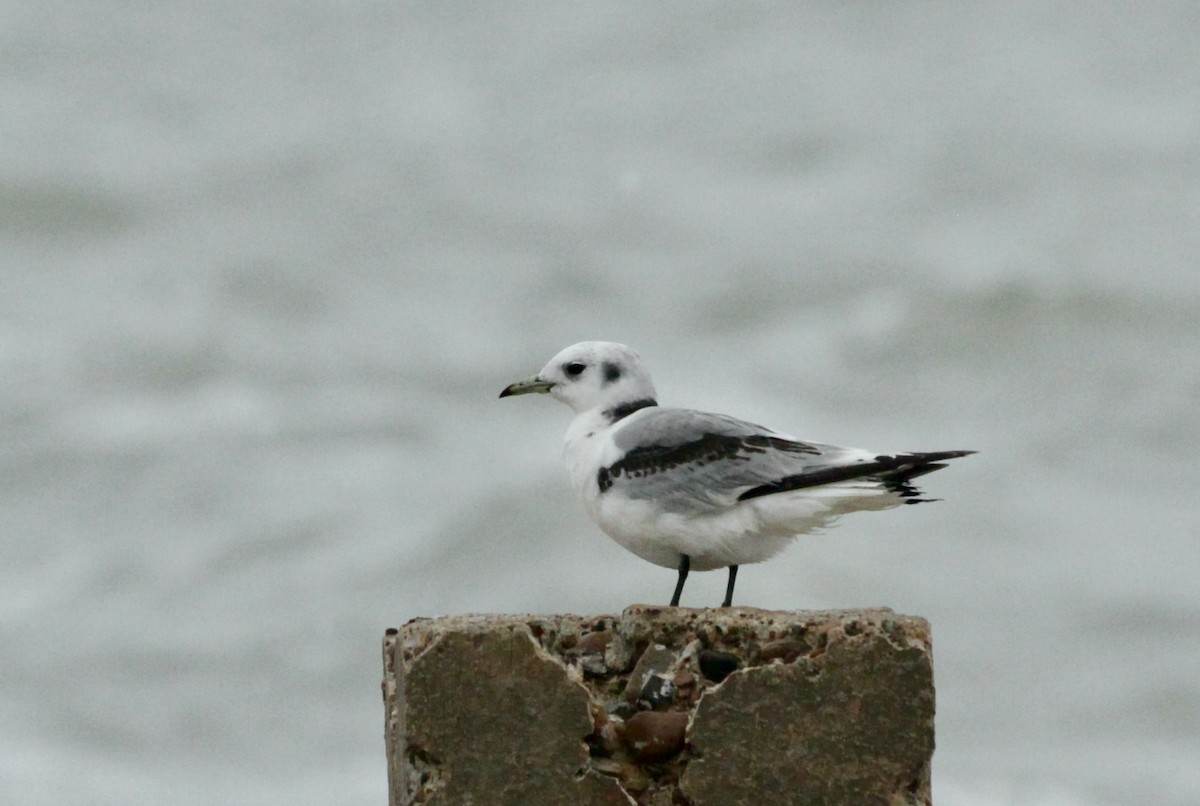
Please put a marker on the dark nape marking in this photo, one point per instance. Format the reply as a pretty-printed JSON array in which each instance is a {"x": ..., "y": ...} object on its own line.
[
  {"x": 650, "y": 459},
  {"x": 894, "y": 472},
  {"x": 611, "y": 372},
  {"x": 625, "y": 409}
]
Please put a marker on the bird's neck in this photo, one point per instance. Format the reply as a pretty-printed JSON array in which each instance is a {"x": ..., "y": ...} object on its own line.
[
  {"x": 606, "y": 414},
  {"x": 622, "y": 410}
]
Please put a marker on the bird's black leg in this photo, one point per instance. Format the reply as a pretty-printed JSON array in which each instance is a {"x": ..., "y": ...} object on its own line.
[
  {"x": 685, "y": 564},
  {"x": 729, "y": 587}
]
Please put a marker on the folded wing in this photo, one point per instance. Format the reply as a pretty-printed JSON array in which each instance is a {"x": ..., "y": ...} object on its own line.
[{"x": 692, "y": 461}]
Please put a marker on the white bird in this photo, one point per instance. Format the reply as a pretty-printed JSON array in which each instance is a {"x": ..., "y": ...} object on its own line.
[{"x": 696, "y": 491}]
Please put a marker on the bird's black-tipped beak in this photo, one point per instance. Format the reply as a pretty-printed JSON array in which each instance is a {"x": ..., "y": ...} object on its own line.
[{"x": 527, "y": 386}]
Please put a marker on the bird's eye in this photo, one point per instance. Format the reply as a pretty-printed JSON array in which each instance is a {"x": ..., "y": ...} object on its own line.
[{"x": 575, "y": 369}]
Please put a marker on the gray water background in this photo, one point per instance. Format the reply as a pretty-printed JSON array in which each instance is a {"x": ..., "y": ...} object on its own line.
[{"x": 266, "y": 266}]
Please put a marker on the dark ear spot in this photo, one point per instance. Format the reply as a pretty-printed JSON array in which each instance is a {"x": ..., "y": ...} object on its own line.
[{"x": 611, "y": 372}]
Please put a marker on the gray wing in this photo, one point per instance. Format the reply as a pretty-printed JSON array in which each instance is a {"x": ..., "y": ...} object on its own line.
[
  {"x": 691, "y": 459},
  {"x": 688, "y": 460}
]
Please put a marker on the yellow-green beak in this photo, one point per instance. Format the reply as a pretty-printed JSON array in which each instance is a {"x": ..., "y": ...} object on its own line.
[{"x": 527, "y": 386}]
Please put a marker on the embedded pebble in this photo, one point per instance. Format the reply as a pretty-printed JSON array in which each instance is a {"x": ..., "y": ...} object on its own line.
[
  {"x": 786, "y": 650},
  {"x": 594, "y": 642},
  {"x": 599, "y": 716},
  {"x": 610, "y": 736},
  {"x": 623, "y": 710},
  {"x": 651, "y": 737},
  {"x": 685, "y": 684},
  {"x": 658, "y": 693},
  {"x": 657, "y": 659},
  {"x": 589, "y": 651},
  {"x": 605, "y": 766},
  {"x": 593, "y": 665},
  {"x": 716, "y": 666}
]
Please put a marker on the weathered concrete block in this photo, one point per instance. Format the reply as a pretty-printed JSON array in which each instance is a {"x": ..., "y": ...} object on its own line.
[{"x": 660, "y": 706}]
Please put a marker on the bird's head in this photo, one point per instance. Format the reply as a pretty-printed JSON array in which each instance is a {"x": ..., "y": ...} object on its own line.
[{"x": 590, "y": 374}]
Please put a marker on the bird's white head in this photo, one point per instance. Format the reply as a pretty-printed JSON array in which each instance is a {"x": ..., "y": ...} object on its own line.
[{"x": 589, "y": 375}]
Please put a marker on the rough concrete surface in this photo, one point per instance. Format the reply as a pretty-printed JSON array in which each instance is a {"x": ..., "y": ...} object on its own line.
[{"x": 660, "y": 706}]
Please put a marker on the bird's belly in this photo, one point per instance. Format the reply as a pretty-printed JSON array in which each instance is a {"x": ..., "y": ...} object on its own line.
[{"x": 722, "y": 537}]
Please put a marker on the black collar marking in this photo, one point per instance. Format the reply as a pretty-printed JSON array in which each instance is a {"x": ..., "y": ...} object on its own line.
[{"x": 625, "y": 409}]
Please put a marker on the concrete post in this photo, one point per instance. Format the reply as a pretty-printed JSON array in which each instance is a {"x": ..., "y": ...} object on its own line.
[{"x": 660, "y": 706}]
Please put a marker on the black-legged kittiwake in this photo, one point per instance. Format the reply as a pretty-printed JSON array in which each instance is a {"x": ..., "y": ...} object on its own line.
[{"x": 696, "y": 491}]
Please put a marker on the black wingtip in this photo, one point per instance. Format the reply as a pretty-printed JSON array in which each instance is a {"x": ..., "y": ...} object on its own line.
[
  {"x": 938, "y": 456},
  {"x": 893, "y": 471}
]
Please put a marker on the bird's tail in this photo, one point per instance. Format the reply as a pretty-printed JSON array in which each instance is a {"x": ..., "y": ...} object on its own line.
[{"x": 896, "y": 472}]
